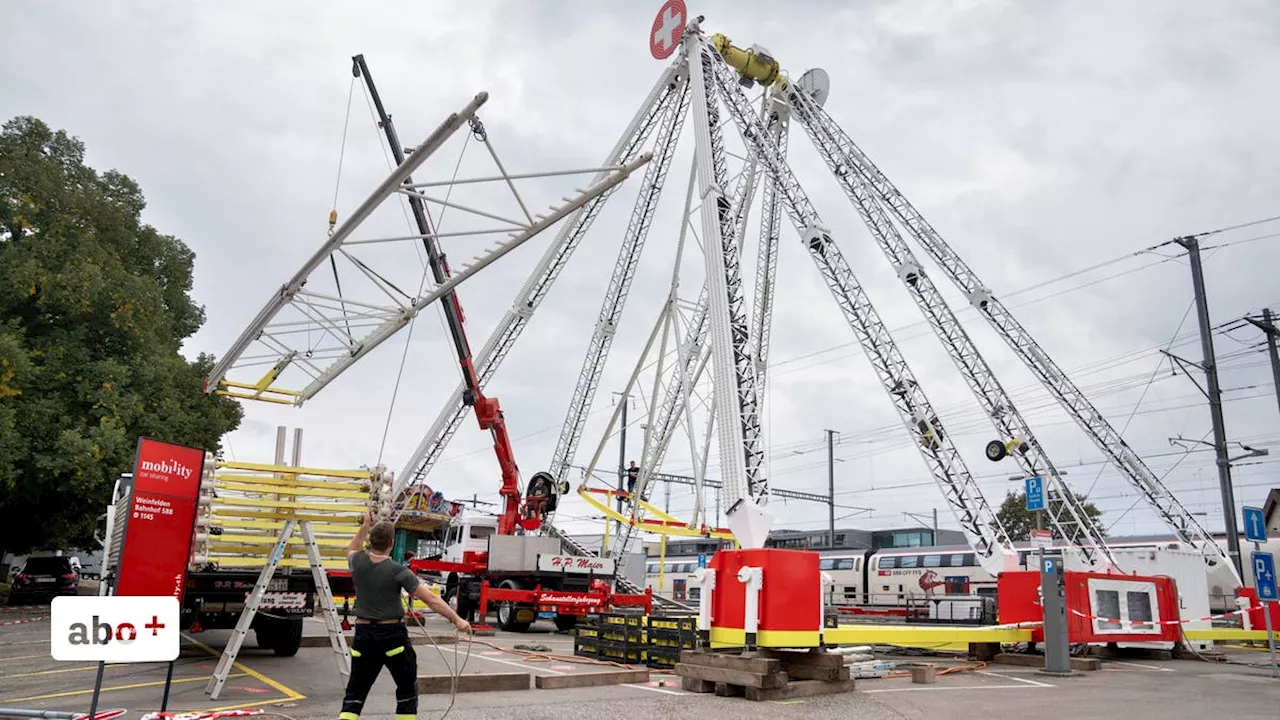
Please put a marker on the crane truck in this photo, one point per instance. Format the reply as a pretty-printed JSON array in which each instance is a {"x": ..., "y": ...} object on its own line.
[{"x": 499, "y": 559}]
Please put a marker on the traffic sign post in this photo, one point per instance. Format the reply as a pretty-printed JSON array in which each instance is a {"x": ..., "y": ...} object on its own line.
[
  {"x": 1035, "y": 493},
  {"x": 1264, "y": 576},
  {"x": 1255, "y": 527}
]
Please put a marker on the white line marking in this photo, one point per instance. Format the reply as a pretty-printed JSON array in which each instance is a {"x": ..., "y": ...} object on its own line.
[
  {"x": 527, "y": 666},
  {"x": 1015, "y": 679},
  {"x": 653, "y": 689},
  {"x": 1139, "y": 665},
  {"x": 962, "y": 687}
]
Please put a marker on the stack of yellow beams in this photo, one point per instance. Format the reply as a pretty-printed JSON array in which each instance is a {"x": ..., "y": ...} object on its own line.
[{"x": 252, "y": 503}]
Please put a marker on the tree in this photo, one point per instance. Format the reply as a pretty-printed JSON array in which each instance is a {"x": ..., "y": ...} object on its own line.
[
  {"x": 94, "y": 306},
  {"x": 1018, "y": 521}
]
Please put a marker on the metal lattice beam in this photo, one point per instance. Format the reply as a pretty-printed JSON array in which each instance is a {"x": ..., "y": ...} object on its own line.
[{"x": 975, "y": 516}]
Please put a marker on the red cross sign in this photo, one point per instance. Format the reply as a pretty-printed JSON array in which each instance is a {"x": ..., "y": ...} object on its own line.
[{"x": 668, "y": 28}]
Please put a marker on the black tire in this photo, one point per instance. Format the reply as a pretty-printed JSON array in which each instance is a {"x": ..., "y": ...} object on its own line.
[
  {"x": 565, "y": 623},
  {"x": 287, "y": 638},
  {"x": 282, "y": 636},
  {"x": 996, "y": 451},
  {"x": 507, "y": 611}
]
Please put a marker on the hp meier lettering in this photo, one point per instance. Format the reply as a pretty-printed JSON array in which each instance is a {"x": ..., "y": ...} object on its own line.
[{"x": 167, "y": 467}]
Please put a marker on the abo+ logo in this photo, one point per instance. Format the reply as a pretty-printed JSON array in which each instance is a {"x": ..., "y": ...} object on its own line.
[
  {"x": 124, "y": 632},
  {"x": 114, "y": 628}
]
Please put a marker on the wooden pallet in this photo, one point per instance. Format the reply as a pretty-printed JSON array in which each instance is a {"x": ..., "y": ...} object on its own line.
[{"x": 764, "y": 674}]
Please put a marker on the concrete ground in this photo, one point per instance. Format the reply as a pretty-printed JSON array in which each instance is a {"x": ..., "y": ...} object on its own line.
[{"x": 309, "y": 686}]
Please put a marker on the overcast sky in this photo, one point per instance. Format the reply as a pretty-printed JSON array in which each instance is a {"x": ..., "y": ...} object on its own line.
[{"x": 1040, "y": 139}]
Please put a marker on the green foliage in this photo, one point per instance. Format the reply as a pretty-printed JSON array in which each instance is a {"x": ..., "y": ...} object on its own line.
[
  {"x": 1018, "y": 521},
  {"x": 94, "y": 306}
]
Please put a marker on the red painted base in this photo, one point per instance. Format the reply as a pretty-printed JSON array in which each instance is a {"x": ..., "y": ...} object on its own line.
[
  {"x": 1093, "y": 599},
  {"x": 1257, "y": 620},
  {"x": 790, "y": 599}
]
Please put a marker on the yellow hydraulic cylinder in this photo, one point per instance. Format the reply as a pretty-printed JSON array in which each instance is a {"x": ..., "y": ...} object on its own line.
[{"x": 751, "y": 64}]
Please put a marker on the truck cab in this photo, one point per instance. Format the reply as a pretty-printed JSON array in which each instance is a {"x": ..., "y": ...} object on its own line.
[{"x": 467, "y": 540}]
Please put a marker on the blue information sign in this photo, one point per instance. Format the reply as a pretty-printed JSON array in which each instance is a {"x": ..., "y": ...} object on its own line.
[
  {"x": 1035, "y": 493},
  {"x": 1255, "y": 529},
  {"x": 1264, "y": 576},
  {"x": 702, "y": 560}
]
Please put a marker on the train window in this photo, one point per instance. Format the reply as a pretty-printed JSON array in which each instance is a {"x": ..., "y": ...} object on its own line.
[
  {"x": 887, "y": 563},
  {"x": 971, "y": 559},
  {"x": 932, "y": 561},
  {"x": 956, "y": 560},
  {"x": 826, "y": 563},
  {"x": 652, "y": 569},
  {"x": 844, "y": 564},
  {"x": 908, "y": 561}
]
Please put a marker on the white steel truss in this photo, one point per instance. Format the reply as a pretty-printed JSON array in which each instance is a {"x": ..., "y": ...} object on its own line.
[
  {"x": 315, "y": 334},
  {"x": 544, "y": 275},
  {"x": 1068, "y": 515},
  {"x": 975, "y": 516},
  {"x": 1068, "y": 395},
  {"x": 717, "y": 332}
]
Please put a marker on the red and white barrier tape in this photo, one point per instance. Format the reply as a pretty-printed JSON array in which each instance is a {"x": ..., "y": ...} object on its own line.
[
  {"x": 20, "y": 621},
  {"x": 1157, "y": 622}
]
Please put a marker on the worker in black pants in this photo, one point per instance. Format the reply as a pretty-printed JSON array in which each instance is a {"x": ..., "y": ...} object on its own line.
[{"x": 382, "y": 638}]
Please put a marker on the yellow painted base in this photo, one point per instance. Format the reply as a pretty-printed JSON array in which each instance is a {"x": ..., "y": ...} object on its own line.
[
  {"x": 1225, "y": 634},
  {"x": 933, "y": 637},
  {"x": 736, "y": 637}
]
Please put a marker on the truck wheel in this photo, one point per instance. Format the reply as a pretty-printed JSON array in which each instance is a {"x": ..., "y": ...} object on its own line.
[
  {"x": 282, "y": 636},
  {"x": 507, "y": 611},
  {"x": 565, "y": 623}
]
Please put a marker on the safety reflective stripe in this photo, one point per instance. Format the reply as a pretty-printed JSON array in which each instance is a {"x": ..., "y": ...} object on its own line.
[
  {"x": 354, "y": 653},
  {"x": 348, "y": 716},
  {"x": 406, "y": 716},
  {"x": 395, "y": 651}
]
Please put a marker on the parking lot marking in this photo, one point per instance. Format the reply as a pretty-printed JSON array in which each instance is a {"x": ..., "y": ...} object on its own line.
[
  {"x": 28, "y": 657},
  {"x": 109, "y": 689},
  {"x": 653, "y": 689},
  {"x": 522, "y": 665},
  {"x": 1036, "y": 683},
  {"x": 1140, "y": 665},
  {"x": 24, "y": 642},
  {"x": 78, "y": 668},
  {"x": 290, "y": 693},
  {"x": 954, "y": 687}
]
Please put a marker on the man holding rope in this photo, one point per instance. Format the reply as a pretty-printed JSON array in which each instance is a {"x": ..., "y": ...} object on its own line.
[{"x": 381, "y": 636}]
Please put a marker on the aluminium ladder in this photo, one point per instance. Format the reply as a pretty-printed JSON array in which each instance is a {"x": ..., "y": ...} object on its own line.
[{"x": 336, "y": 639}]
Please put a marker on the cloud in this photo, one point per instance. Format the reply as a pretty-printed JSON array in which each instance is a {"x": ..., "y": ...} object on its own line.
[{"x": 1038, "y": 140}]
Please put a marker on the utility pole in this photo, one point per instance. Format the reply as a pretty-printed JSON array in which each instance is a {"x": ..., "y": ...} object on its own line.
[
  {"x": 1210, "y": 367},
  {"x": 831, "y": 488},
  {"x": 1272, "y": 332}
]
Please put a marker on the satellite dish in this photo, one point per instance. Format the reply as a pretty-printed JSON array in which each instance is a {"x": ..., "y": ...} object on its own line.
[{"x": 816, "y": 84}]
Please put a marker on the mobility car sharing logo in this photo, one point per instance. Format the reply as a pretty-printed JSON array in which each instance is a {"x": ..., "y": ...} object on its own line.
[
  {"x": 114, "y": 628},
  {"x": 166, "y": 468}
]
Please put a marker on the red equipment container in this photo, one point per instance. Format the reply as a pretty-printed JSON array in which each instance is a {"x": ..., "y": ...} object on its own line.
[{"x": 790, "y": 599}]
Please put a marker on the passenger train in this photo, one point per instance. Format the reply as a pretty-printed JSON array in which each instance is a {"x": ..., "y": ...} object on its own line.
[{"x": 898, "y": 577}]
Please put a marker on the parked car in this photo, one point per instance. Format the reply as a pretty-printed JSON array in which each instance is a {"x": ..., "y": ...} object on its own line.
[{"x": 45, "y": 577}]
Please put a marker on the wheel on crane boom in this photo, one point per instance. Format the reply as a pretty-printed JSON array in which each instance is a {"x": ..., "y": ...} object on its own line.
[{"x": 998, "y": 450}]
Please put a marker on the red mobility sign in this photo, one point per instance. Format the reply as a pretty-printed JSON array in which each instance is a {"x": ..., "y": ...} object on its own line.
[
  {"x": 160, "y": 525},
  {"x": 668, "y": 28}
]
